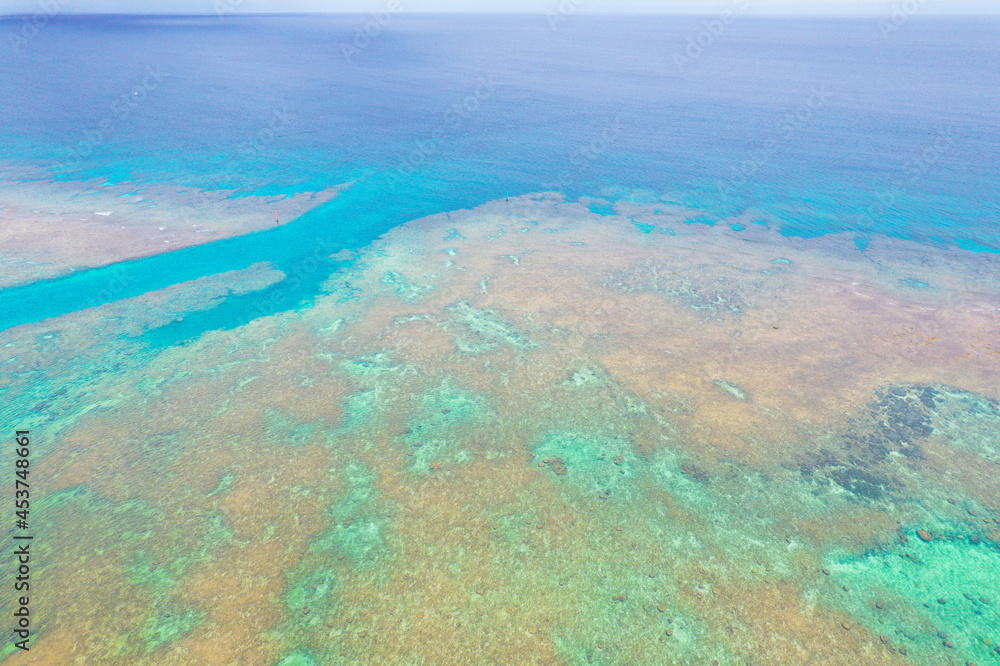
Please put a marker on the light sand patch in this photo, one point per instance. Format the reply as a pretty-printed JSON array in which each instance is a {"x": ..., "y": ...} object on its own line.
[{"x": 50, "y": 228}]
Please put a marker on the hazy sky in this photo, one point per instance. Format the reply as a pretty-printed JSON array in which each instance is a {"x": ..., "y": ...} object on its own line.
[{"x": 706, "y": 7}]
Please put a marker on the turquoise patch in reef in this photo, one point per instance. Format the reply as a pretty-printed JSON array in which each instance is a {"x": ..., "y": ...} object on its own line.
[
  {"x": 297, "y": 659},
  {"x": 432, "y": 432},
  {"x": 404, "y": 289},
  {"x": 280, "y": 428},
  {"x": 447, "y": 404},
  {"x": 947, "y": 586},
  {"x": 968, "y": 421},
  {"x": 372, "y": 365},
  {"x": 311, "y": 592},
  {"x": 601, "y": 208},
  {"x": 160, "y": 576},
  {"x": 701, "y": 219},
  {"x": 682, "y": 480},
  {"x": 356, "y": 520},
  {"x": 591, "y": 465},
  {"x": 361, "y": 409}
]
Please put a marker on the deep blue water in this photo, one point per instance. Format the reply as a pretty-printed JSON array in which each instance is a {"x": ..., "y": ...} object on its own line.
[{"x": 816, "y": 126}]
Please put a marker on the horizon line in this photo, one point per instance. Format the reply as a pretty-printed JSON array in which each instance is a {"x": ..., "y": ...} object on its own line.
[{"x": 502, "y": 13}]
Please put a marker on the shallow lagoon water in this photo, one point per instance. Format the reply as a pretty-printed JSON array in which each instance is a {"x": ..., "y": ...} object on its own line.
[{"x": 618, "y": 422}]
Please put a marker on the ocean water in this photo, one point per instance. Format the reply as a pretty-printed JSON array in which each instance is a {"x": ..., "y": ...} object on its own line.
[
  {"x": 601, "y": 340},
  {"x": 819, "y": 127}
]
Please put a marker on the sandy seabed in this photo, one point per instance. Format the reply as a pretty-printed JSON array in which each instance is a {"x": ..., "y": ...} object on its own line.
[
  {"x": 528, "y": 433},
  {"x": 51, "y": 228}
]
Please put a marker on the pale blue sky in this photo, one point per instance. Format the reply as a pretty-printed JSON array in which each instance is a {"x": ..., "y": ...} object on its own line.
[{"x": 706, "y": 7}]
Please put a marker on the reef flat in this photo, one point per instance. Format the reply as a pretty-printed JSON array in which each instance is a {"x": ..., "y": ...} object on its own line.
[{"x": 531, "y": 433}]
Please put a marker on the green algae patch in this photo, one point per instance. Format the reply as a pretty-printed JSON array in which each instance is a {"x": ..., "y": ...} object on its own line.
[
  {"x": 226, "y": 482},
  {"x": 310, "y": 592},
  {"x": 361, "y": 541},
  {"x": 297, "y": 659},
  {"x": 673, "y": 473},
  {"x": 357, "y": 521},
  {"x": 279, "y": 428},
  {"x": 446, "y": 404},
  {"x": 968, "y": 421},
  {"x": 731, "y": 389},
  {"x": 602, "y": 466},
  {"x": 9, "y": 648},
  {"x": 484, "y": 330},
  {"x": 159, "y": 573},
  {"x": 373, "y": 365},
  {"x": 361, "y": 409},
  {"x": 168, "y": 626},
  {"x": 440, "y": 416},
  {"x": 382, "y": 385},
  {"x": 133, "y": 534},
  {"x": 587, "y": 376},
  {"x": 156, "y": 574}
]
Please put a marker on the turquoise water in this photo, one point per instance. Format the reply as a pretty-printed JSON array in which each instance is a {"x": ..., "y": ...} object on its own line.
[{"x": 813, "y": 127}]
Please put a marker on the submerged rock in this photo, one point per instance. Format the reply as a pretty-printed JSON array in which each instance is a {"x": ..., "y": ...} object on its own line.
[
  {"x": 557, "y": 465},
  {"x": 692, "y": 471}
]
